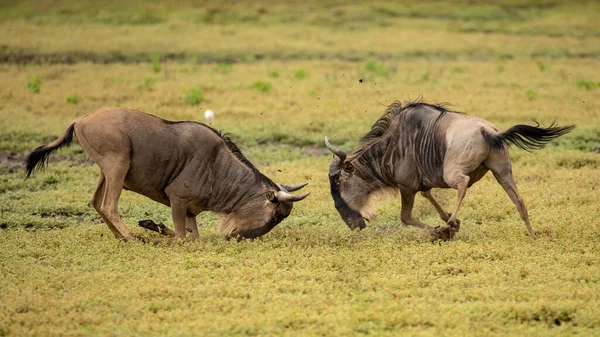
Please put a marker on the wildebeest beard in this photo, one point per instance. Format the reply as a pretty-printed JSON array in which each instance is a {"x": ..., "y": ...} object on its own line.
[
  {"x": 256, "y": 232},
  {"x": 351, "y": 217}
]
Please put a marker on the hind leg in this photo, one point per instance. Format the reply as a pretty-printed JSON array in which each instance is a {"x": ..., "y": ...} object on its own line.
[
  {"x": 460, "y": 181},
  {"x": 114, "y": 181},
  {"x": 461, "y": 186},
  {"x": 508, "y": 183},
  {"x": 111, "y": 152},
  {"x": 500, "y": 166},
  {"x": 96, "y": 202}
]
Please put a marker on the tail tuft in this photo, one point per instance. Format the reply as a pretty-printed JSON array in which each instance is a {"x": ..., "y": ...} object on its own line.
[
  {"x": 39, "y": 157},
  {"x": 526, "y": 137}
]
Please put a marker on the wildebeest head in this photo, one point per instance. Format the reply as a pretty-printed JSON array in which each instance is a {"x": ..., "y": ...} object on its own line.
[
  {"x": 264, "y": 211},
  {"x": 350, "y": 188}
]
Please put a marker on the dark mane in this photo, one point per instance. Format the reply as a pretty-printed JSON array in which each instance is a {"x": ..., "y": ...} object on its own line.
[
  {"x": 234, "y": 149},
  {"x": 383, "y": 123},
  {"x": 236, "y": 152}
]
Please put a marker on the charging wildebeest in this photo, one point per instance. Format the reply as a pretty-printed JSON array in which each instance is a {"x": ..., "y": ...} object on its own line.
[
  {"x": 417, "y": 147},
  {"x": 186, "y": 165}
]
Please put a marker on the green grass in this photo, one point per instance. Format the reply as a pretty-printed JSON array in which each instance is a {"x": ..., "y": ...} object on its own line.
[
  {"x": 193, "y": 96},
  {"x": 331, "y": 69},
  {"x": 155, "y": 63},
  {"x": 300, "y": 74},
  {"x": 72, "y": 99},
  {"x": 34, "y": 84},
  {"x": 128, "y": 31},
  {"x": 587, "y": 84},
  {"x": 531, "y": 94},
  {"x": 262, "y": 86}
]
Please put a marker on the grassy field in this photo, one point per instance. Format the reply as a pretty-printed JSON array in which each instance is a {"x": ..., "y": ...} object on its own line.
[{"x": 280, "y": 78}]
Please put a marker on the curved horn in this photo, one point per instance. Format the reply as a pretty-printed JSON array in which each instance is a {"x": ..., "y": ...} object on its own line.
[
  {"x": 284, "y": 196},
  {"x": 291, "y": 188},
  {"x": 338, "y": 152}
]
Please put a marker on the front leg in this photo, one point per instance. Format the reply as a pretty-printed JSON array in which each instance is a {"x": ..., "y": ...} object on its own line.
[
  {"x": 408, "y": 202},
  {"x": 443, "y": 214},
  {"x": 178, "y": 211},
  {"x": 192, "y": 226}
]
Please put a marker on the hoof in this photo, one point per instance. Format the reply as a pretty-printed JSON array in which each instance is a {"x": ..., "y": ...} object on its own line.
[
  {"x": 158, "y": 227},
  {"x": 456, "y": 221},
  {"x": 150, "y": 225},
  {"x": 454, "y": 224},
  {"x": 443, "y": 234}
]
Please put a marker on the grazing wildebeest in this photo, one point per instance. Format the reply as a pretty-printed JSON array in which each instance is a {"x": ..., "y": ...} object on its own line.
[
  {"x": 186, "y": 165},
  {"x": 417, "y": 147}
]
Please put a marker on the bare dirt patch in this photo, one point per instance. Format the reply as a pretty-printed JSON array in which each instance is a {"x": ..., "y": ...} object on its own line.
[{"x": 315, "y": 151}]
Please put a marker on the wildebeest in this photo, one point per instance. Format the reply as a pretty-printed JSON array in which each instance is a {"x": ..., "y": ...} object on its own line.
[
  {"x": 186, "y": 165},
  {"x": 420, "y": 146}
]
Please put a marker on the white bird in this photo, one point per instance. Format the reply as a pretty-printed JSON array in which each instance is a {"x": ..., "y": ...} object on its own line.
[{"x": 209, "y": 115}]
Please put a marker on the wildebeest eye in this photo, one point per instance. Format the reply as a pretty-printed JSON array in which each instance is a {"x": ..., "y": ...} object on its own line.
[
  {"x": 348, "y": 167},
  {"x": 271, "y": 196}
]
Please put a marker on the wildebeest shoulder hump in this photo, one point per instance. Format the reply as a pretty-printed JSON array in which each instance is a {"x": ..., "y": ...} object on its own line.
[
  {"x": 393, "y": 110},
  {"x": 233, "y": 148}
]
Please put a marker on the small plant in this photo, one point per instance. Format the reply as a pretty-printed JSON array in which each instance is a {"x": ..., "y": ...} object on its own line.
[
  {"x": 155, "y": 63},
  {"x": 34, "y": 84},
  {"x": 262, "y": 86},
  {"x": 73, "y": 99},
  {"x": 425, "y": 77},
  {"x": 193, "y": 96},
  {"x": 147, "y": 84},
  {"x": 587, "y": 85},
  {"x": 379, "y": 69},
  {"x": 375, "y": 68},
  {"x": 531, "y": 94},
  {"x": 458, "y": 70},
  {"x": 300, "y": 74},
  {"x": 542, "y": 66},
  {"x": 500, "y": 68},
  {"x": 274, "y": 74},
  {"x": 224, "y": 66}
]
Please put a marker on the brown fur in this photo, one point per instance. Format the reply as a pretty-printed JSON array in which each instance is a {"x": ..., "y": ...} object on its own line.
[
  {"x": 185, "y": 165},
  {"x": 420, "y": 146}
]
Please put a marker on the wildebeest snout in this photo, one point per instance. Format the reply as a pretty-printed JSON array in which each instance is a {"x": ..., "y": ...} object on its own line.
[{"x": 355, "y": 223}]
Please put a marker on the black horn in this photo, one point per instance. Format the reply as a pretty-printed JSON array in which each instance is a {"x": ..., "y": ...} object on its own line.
[
  {"x": 338, "y": 152},
  {"x": 291, "y": 188},
  {"x": 285, "y": 197}
]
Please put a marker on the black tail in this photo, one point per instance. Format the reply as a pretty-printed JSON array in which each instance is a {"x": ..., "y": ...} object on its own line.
[
  {"x": 39, "y": 156},
  {"x": 526, "y": 137}
]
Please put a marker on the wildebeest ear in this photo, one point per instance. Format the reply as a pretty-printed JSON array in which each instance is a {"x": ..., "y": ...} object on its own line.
[{"x": 271, "y": 196}]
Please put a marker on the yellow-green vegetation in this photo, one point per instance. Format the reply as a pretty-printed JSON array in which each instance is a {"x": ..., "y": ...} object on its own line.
[{"x": 280, "y": 78}]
